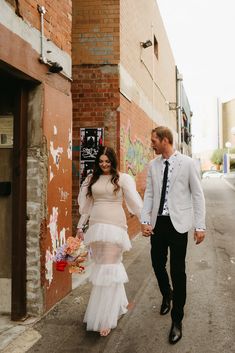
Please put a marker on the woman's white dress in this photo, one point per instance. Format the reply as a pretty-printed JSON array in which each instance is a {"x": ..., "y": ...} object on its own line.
[{"x": 107, "y": 238}]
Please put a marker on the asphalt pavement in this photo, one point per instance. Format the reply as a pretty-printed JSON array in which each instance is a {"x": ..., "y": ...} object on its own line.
[{"x": 209, "y": 322}]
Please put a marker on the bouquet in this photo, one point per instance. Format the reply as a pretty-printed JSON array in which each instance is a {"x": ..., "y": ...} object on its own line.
[{"x": 73, "y": 253}]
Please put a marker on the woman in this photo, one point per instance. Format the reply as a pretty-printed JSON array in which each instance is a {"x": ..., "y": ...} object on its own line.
[{"x": 100, "y": 199}]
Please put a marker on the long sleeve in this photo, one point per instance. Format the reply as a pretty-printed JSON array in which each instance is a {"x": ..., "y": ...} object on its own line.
[
  {"x": 197, "y": 197},
  {"x": 148, "y": 199},
  {"x": 85, "y": 203},
  {"x": 132, "y": 198}
]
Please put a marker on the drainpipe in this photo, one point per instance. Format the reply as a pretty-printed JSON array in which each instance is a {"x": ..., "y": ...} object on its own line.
[
  {"x": 179, "y": 79},
  {"x": 42, "y": 11}
]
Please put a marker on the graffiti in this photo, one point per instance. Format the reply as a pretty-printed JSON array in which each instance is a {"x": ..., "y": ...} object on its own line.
[
  {"x": 63, "y": 194},
  {"x": 136, "y": 154},
  {"x": 56, "y": 153},
  {"x": 49, "y": 266}
]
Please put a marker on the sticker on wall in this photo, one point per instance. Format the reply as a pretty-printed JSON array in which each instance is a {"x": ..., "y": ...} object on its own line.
[{"x": 91, "y": 140}]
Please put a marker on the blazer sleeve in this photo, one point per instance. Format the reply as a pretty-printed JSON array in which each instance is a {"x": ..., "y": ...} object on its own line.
[
  {"x": 132, "y": 198},
  {"x": 198, "y": 198},
  {"x": 148, "y": 198},
  {"x": 85, "y": 203}
]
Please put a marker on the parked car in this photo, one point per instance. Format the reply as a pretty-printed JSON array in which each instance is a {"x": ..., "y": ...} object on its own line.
[{"x": 212, "y": 174}]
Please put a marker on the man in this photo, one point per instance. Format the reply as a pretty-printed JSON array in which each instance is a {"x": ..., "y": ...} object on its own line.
[{"x": 173, "y": 195}]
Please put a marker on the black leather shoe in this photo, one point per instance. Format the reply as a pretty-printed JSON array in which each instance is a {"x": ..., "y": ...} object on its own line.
[
  {"x": 166, "y": 304},
  {"x": 175, "y": 332}
]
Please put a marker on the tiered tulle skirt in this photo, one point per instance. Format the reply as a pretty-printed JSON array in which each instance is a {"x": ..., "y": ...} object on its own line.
[{"x": 108, "y": 299}]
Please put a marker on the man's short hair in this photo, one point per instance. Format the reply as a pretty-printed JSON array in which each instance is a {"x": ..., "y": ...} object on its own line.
[{"x": 162, "y": 132}]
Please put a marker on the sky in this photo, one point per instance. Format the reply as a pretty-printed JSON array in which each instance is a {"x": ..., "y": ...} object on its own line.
[{"x": 201, "y": 35}]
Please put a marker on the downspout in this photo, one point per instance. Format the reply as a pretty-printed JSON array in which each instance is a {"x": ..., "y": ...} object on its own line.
[
  {"x": 42, "y": 11},
  {"x": 179, "y": 79}
]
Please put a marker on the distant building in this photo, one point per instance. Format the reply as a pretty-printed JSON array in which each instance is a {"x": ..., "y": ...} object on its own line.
[{"x": 228, "y": 123}]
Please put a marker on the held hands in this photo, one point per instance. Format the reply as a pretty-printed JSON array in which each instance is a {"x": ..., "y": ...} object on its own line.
[
  {"x": 199, "y": 236},
  {"x": 146, "y": 230},
  {"x": 80, "y": 234}
]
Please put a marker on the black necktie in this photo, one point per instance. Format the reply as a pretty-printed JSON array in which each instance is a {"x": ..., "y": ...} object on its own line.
[{"x": 163, "y": 188}]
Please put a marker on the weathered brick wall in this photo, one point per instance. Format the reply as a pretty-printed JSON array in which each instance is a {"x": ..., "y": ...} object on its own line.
[
  {"x": 95, "y": 104},
  {"x": 57, "y": 20},
  {"x": 96, "y": 32}
]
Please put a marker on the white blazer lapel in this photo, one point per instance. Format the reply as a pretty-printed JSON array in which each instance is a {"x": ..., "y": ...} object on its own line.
[
  {"x": 157, "y": 168},
  {"x": 177, "y": 166}
]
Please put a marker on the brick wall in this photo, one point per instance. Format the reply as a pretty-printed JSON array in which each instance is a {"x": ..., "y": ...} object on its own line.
[
  {"x": 96, "y": 32},
  {"x": 95, "y": 93},
  {"x": 57, "y": 20},
  {"x": 135, "y": 149}
]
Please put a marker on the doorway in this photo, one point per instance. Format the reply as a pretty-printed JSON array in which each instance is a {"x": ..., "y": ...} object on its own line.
[{"x": 13, "y": 153}]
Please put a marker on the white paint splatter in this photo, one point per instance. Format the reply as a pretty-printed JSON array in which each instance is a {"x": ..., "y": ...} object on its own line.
[
  {"x": 56, "y": 153},
  {"x": 53, "y": 229},
  {"x": 69, "y": 150},
  {"x": 49, "y": 266},
  {"x": 51, "y": 174},
  {"x": 63, "y": 194},
  {"x": 66, "y": 212},
  {"x": 62, "y": 237},
  {"x": 55, "y": 130}
]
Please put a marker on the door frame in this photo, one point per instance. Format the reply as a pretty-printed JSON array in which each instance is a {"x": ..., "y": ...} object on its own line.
[{"x": 19, "y": 198}]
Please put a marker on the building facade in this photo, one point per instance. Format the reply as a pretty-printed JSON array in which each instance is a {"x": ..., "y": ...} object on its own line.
[
  {"x": 228, "y": 123},
  {"x": 124, "y": 81},
  {"x": 35, "y": 152}
]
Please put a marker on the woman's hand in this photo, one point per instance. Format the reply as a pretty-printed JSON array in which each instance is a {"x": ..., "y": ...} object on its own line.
[{"x": 80, "y": 234}]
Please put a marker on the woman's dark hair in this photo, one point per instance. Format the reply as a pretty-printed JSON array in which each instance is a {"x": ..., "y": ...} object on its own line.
[{"x": 97, "y": 171}]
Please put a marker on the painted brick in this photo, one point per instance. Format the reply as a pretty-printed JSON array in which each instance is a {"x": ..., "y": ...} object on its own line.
[{"x": 58, "y": 19}]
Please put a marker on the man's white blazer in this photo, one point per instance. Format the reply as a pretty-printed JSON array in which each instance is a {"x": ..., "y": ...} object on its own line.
[{"x": 186, "y": 201}]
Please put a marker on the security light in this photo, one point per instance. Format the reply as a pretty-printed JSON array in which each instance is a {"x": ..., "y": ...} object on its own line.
[{"x": 146, "y": 44}]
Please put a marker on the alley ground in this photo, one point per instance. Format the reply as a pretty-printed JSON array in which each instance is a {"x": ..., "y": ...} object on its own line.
[{"x": 209, "y": 323}]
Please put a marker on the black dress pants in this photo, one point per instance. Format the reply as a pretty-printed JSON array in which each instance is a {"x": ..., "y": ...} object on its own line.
[{"x": 165, "y": 236}]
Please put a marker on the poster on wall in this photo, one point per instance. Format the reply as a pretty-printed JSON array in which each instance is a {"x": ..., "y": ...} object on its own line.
[{"x": 91, "y": 139}]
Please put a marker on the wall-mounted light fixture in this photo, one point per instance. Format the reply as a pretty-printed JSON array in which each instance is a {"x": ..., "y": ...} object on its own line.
[
  {"x": 146, "y": 44},
  {"x": 55, "y": 67}
]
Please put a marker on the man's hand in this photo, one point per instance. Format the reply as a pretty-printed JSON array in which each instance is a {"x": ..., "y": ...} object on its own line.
[
  {"x": 146, "y": 230},
  {"x": 199, "y": 236}
]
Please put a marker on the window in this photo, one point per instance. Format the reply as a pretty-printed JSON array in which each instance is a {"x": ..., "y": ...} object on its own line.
[{"x": 155, "y": 47}]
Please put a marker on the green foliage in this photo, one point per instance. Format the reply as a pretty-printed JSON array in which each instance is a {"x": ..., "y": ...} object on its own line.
[{"x": 217, "y": 156}]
